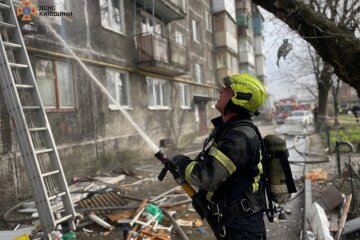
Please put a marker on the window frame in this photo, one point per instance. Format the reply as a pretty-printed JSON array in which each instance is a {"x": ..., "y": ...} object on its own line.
[
  {"x": 152, "y": 82},
  {"x": 111, "y": 105},
  {"x": 208, "y": 21},
  {"x": 198, "y": 68},
  {"x": 111, "y": 27},
  {"x": 195, "y": 27},
  {"x": 57, "y": 107},
  {"x": 179, "y": 35},
  {"x": 185, "y": 102}
]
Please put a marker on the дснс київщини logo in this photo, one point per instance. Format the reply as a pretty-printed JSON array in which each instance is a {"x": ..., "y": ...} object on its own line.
[{"x": 26, "y": 10}]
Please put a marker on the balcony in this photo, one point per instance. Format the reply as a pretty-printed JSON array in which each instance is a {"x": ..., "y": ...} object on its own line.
[
  {"x": 158, "y": 54},
  {"x": 247, "y": 58},
  {"x": 166, "y": 10}
]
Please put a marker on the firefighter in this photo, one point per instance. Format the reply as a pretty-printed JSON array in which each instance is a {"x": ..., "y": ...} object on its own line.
[{"x": 228, "y": 172}]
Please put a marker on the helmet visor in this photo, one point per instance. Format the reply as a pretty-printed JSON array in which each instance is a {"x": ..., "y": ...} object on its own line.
[{"x": 227, "y": 81}]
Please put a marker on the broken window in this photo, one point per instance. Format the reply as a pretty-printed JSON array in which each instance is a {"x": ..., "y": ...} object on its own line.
[
  {"x": 158, "y": 93},
  {"x": 55, "y": 83},
  {"x": 112, "y": 15},
  {"x": 117, "y": 83}
]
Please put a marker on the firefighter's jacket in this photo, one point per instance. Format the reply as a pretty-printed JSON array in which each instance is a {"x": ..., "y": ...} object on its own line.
[{"x": 230, "y": 165}]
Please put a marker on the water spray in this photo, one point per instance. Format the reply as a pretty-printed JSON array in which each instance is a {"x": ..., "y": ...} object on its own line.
[{"x": 158, "y": 153}]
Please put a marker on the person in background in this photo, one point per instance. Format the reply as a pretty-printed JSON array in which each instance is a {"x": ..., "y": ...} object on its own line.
[{"x": 356, "y": 111}]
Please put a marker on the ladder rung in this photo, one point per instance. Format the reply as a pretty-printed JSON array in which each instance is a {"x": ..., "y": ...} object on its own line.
[
  {"x": 31, "y": 107},
  {"x": 37, "y": 129},
  {"x": 24, "y": 86},
  {"x": 18, "y": 65},
  {"x": 63, "y": 219},
  {"x": 50, "y": 173},
  {"x": 4, "y": 6},
  {"x": 43, "y": 151},
  {"x": 7, "y": 25},
  {"x": 57, "y": 195},
  {"x": 10, "y": 44}
]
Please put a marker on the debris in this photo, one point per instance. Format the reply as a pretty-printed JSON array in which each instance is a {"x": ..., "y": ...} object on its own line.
[
  {"x": 201, "y": 230},
  {"x": 100, "y": 221},
  {"x": 56, "y": 235},
  {"x": 333, "y": 222},
  {"x": 121, "y": 215},
  {"x": 17, "y": 233},
  {"x": 154, "y": 235},
  {"x": 197, "y": 223},
  {"x": 343, "y": 216},
  {"x": 316, "y": 174},
  {"x": 351, "y": 226},
  {"x": 23, "y": 237},
  {"x": 332, "y": 198},
  {"x": 309, "y": 236},
  {"x": 319, "y": 222},
  {"x": 184, "y": 223},
  {"x": 283, "y": 50},
  {"x": 69, "y": 236},
  {"x": 140, "y": 208},
  {"x": 164, "y": 193},
  {"x": 154, "y": 210},
  {"x": 87, "y": 230}
]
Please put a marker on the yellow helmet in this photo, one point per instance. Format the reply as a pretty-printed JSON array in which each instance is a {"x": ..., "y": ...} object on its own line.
[{"x": 249, "y": 92}]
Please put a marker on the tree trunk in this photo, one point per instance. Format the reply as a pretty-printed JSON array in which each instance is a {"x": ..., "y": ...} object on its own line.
[
  {"x": 335, "y": 45},
  {"x": 335, "y": 92},
  {"x": 324, "y": 84}
]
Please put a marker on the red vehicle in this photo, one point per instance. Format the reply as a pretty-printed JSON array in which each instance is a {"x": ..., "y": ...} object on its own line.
[{"x": 283, "y": 108}]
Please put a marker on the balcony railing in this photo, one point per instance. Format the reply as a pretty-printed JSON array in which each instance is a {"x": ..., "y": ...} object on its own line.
[
  {"x": 167, "y": 10},
  {"x": 158, "y": 54}
]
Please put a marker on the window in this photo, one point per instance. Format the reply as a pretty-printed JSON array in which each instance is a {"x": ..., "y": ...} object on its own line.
[
  {"x": 221, "y": 60},
  {"x": 208, "y": 21},
  {"x": 198, "y": 73},
  {"x": 184, "y": 96},
  {"x": 179, "y": 37},
  {"x": 195, "y": 31},
  {"x": 112, "y": 15},
  {"x": 148, "y": 22},
  {"x": 55, "y": 83},
  {"x": 117, "y": 84},
  {"x": 215, "y": 97},
  {"x": 158, "y": 93}
]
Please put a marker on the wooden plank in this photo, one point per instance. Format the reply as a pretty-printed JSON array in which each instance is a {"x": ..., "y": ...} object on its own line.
[
  {"x": 343, "y": 217},
  {"x": 121, "y": 215},
  {"x": 351, "y": 226}
]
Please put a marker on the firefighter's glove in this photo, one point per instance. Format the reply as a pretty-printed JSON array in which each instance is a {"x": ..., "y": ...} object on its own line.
[
  {"x": 199, "y": 203},
  {"x": 180, "y": 163}
]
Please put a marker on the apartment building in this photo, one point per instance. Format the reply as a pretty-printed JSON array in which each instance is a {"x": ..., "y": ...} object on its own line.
[
  {"x": 156, "y": 58},
  {"x": 161, "y": 60},
  {"x": 251, "y": 45}
]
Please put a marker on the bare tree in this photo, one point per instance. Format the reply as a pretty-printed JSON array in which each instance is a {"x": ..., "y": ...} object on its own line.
[{"x": 333, "y": 38}]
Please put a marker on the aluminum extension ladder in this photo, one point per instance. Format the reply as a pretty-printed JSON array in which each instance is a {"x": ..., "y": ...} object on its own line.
[{"x": 31, "y": 127}]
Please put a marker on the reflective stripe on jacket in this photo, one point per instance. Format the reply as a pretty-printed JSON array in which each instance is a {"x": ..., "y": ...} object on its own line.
[{"x": 231, "y": 165}]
